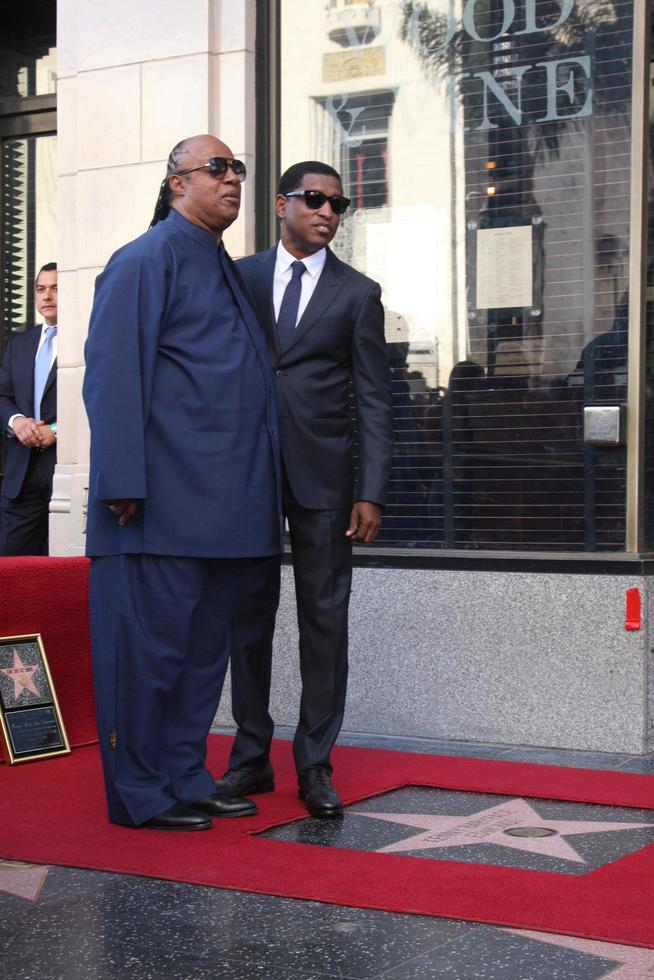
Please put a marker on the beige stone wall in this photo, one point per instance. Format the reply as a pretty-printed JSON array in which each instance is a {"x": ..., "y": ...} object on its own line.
[{"x": 132, "y": 82}]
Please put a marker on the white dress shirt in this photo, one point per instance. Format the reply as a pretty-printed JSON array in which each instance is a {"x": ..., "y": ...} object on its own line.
[
  {"x": 314, "y": 265},
  {"x": 53, "y": 358}
]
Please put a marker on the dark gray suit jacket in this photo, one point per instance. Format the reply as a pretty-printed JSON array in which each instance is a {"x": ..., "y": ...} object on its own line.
[{"x": 339, "y": 340}]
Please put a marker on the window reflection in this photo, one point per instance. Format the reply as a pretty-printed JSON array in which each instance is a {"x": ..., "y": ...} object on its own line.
[{"x": 486, "y": 149}]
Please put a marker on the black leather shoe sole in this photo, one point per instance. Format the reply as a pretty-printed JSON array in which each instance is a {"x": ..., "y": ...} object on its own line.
[
  {"x": 225, "y": 809},
  {"x": 179, "y": 818},
  {"x": 155, "y": 824}
]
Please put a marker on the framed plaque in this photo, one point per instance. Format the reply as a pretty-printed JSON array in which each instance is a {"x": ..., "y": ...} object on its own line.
[
  {"x": 504, "y": 268},
  {"x": 31, "y": 726}
]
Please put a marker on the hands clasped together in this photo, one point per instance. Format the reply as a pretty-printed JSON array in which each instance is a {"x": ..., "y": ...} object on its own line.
[{"x": 33, "y": 434}]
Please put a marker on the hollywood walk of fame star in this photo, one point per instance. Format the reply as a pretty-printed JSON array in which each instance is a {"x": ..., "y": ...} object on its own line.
[
  {"x": 22, "y": 676},
  {"x": 490, "y": 827},
  {"x": 634, "y": 962},
  {"x": 22, "y": 880}
]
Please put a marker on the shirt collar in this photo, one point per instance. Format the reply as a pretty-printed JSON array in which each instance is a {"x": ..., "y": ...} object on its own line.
[
  {"x": 314, "y": 263},
  {"x": 202, "y": 237}
]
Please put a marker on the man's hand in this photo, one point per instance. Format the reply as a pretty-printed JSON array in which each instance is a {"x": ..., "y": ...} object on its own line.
[
  {"x": 123, "y": 509},
  {"x": 364, "y": 522},
  {"x": 28, "y": 431},
  {"x": 46, "y": 435}
]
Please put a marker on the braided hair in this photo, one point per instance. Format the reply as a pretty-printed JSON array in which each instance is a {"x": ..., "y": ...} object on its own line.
[{"x": 162, "y": 207}]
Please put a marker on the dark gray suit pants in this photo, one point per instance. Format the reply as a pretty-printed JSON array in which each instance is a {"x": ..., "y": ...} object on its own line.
[
  {"x": 322, "y": 563},
  {"x": 24, "y": 519}
]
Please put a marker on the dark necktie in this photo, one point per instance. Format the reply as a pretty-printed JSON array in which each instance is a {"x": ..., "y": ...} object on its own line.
[
  {"x": 290, "y": 305},
  {"x": 42, "y": 367}
]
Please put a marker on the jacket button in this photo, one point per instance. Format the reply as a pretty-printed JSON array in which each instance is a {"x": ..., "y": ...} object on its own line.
[{"x": 280, "y": 374}]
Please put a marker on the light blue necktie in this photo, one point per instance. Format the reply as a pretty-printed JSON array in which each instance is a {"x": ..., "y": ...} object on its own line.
[
  {"x": 290, "y": 306},
  {"x": 42, "y": 365}
]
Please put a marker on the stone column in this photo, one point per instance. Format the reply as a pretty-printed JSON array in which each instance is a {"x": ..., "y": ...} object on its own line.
[{"x": 132, "y": 83}]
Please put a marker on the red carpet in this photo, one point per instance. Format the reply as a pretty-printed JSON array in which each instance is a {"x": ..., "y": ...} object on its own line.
[
  {"x": 50, "y": 596},
  {"x": 52, "y": 812}
]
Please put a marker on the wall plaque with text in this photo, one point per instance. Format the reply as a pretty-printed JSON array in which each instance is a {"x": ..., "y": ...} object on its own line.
[
  {"x": 504, "y": 267},
  {"x": 31, "y": 726}
]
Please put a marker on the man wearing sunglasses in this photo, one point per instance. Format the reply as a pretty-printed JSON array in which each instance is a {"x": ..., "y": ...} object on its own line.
[
  {"x": 183, "y": 491},
  {"x": 325, "y": 328}
]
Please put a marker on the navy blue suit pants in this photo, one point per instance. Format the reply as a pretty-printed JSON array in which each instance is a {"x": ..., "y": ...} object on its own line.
[{"x": 160, "y": 634}]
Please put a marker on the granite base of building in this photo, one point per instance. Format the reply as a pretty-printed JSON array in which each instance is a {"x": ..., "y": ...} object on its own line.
[{"x": 514, "y": 658}]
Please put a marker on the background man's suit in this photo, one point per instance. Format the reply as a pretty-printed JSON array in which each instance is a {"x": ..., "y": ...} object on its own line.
[
  {"x": 27, "y": 485},
  {"x": 338, "y": 340}
]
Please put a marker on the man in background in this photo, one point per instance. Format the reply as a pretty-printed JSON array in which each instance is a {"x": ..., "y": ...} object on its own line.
[
  {"x": 28, "y": 418},
  {"x": 325, "y": 328}
]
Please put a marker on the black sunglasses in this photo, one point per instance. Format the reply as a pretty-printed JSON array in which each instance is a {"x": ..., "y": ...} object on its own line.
[
  {"x": 316, "y": 199},
  {"x": 217, "y": 167}
]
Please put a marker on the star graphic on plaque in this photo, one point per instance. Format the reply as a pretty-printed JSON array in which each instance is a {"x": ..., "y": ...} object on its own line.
[
  {"x": 22, "y": 676},
  {"x": 513, "y": 824}
]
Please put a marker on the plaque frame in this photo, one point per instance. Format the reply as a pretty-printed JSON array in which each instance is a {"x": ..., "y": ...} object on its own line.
[{"x": 13, "y": 714}]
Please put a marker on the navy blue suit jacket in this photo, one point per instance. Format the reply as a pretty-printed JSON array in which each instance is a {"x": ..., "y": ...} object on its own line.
[
  {"x": 17, "y": 397},
  {"x": 338, "y": 342},
  {"x": 180, "y": 399}
]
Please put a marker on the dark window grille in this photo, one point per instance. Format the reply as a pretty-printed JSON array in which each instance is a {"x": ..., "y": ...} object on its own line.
[
  {"x": 365, "y": 174},
  {"x": 19, "y": 234}
]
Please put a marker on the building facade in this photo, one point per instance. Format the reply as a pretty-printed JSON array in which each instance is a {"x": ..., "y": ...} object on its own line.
[{"x": 498, "y": 155}]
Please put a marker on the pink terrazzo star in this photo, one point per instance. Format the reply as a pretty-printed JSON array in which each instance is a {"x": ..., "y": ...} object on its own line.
[
  {"x": 491, "y": 826},
  {"x": 23, "y": 880},
  {"x": 21, "y": 676},
  {"x": 633, "y": 962}
]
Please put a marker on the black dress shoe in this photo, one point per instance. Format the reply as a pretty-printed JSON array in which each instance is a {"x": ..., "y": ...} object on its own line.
[
  {"x": 218, "y": 805},
  {"x": 246, "y": 782},
  {"x": 178, "y": 817},
  {"x": 320, "y": 797}
]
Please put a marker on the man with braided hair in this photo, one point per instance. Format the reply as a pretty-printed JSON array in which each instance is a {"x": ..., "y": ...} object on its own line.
[{"x": 184, "y": 490}]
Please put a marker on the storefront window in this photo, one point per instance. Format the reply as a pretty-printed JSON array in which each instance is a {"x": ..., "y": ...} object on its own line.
[{"x": 486, "y": 147}]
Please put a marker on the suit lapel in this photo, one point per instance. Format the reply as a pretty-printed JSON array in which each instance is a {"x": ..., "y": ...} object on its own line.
[
  {"x": 322, "y": 297},
  {"x": 31, "y": 345},
  {"x": 234, "y": 280},
  {"x": 51, "y": 378},
  {"x": 262, "y": 288},
  {"x": 252, "y": 325}
]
